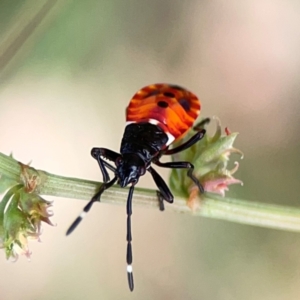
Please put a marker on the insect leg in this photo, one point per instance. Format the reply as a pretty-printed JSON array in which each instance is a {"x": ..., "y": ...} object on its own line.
[
  {"x": 193, "y": 140},
  {"x": 164, "y": 192},
  {"x": 181, "y": 165},
  {"x": 106, "y": 153},
  {"x": 200, "y": 125},
  {"x": 95, "y": 198},
  {"x": 129, "y": 239}
]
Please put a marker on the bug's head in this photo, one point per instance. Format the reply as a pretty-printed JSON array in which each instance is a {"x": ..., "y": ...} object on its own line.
[{"x": 129, "y": 169}]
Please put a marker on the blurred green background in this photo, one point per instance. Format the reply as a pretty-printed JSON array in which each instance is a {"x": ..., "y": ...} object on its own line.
[{"x": 67, "y": 71}]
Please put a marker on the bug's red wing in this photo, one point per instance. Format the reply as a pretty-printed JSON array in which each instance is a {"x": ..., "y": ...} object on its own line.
[{"x": 173, "y": 107}]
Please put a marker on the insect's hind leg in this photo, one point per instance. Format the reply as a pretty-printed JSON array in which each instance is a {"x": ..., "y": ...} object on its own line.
[
  {"x": 200, "y": 125},
  {"x": 182, "y": 165},
  {"x": 164, "y": 192},
  {"x": 193, "y": 140}
]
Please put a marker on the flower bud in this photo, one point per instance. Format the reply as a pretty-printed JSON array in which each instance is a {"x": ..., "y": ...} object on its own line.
[
  {"x": 22, "y": 212},
  {"x": 210, "y": 157}
]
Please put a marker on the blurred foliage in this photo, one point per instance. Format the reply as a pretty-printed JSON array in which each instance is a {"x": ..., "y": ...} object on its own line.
[
  {"x": 241, "y": 57},
  {"x": 72, "y": 40}
]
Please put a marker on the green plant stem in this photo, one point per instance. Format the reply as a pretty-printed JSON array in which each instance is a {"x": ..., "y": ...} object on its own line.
[{"x": 212, "y": 206}]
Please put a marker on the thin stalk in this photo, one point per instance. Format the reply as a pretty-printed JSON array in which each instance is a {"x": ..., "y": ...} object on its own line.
[{"x": 212, "y": 206}]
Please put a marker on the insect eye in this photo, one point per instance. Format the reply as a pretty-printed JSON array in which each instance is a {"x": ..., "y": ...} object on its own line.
[
  {"x": 118, "y": 161},
  {"x": 142, "y": 171}
]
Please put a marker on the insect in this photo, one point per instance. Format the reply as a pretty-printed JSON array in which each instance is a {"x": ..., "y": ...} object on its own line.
[{"x": 157, "y": 116}]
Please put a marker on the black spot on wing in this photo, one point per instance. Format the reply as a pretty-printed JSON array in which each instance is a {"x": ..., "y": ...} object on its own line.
[
  {"x": 185, "y": 104},
  {"x": 169, "y": 94},
  {"x": 162, "y": 104},
  {"x": 176, "y": 87},
  {"x": 153, "y": 93}
]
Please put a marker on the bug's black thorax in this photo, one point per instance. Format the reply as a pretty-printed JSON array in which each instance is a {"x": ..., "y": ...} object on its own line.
[{"x": 143, "y": 139}]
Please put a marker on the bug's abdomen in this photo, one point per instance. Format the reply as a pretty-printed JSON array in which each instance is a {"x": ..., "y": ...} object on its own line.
[{"x": 173, "y": 107}]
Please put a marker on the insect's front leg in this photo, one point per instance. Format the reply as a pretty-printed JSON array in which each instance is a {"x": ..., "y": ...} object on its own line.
[
  {"x": 108, "y": 154},
  {"x": 164, "y": 192},
  {"x": 88, "y": 206}
]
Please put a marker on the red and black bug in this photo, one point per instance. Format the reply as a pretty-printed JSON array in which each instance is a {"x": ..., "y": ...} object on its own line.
[{"x": 156, "y": 116}]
